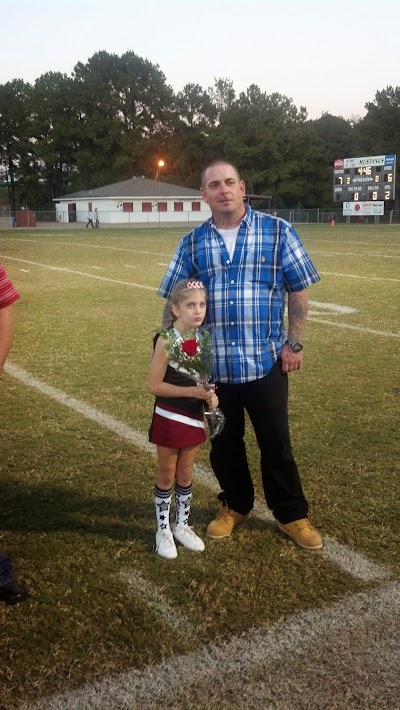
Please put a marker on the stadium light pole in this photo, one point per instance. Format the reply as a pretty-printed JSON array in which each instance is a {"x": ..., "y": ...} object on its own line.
[{"x": 160, "y": 165}]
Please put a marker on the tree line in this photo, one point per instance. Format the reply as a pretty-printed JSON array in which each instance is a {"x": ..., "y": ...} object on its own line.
[{"x": 116, "y": 117}]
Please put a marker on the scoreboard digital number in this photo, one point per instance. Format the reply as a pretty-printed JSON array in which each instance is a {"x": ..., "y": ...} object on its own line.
[{"x": 371, "y": 178}]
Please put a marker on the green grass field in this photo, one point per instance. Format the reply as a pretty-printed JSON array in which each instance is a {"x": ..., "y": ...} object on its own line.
[{"x": 76, "y": 508}]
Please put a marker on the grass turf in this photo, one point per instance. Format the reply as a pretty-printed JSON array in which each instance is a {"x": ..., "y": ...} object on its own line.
[{"x": 76, "y": 504}]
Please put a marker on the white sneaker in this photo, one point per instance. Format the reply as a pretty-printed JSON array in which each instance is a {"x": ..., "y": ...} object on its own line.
[
  {"x": 185, "y": 535},
  {"x": 165, "y": 545}
]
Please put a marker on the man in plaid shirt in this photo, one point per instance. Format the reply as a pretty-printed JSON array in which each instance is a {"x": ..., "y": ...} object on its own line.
[{"x": 248, "y": 262}]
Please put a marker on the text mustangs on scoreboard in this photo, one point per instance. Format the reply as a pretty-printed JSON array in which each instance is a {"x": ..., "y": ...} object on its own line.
[{"x": 371, "y": 178}]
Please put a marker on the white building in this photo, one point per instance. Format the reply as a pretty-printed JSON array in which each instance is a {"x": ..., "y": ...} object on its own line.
[{"x": 136, "y": 201}]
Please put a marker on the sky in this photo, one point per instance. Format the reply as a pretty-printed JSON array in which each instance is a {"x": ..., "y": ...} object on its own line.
[{"x": 327, "y": 55}]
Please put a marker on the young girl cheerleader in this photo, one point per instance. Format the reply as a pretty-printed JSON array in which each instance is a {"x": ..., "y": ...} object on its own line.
[{"x": 177, "y": 426}]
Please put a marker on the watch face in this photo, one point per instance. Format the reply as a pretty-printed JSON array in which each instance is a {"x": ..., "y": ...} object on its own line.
[{"x": 296, "y": 347}]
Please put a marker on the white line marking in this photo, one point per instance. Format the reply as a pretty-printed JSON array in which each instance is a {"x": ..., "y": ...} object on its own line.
[
  {"x": 106, "y": 421},
  {"x": 363, "y": 244},
  {"x": 94, "y": 246},
  {"x": 360, "y": 254},
  {"x": 355, "y": 564},
  {"x": 97, "y": 267},
  {"x": 156, "y": 601},
  {"x": 130, "y": 266},
  {"x": 217, "y": 665},
  {"x": 26, "y": 271},
  {"x": 320, "y": 313},
  {"x": 339, "y": 555},
  {"x": 203, "y": 474},
  {"x": 80, "y": 273},
  {"x": 355, "y": 276},
  {"x": 360, "y": 329},
  {"x": 333, "y": 307}
]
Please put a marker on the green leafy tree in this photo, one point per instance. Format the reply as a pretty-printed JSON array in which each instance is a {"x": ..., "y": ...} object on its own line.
[
  {"x": 15, "y": 136},
  {"x": 337, "y": 136},
  {"x": 57, "y": 132},
  {"x": 124, "y": 104},
  {"x": 222, "y": 95},
  {"x": 338, "y": 140},
  {"x": 188, "y": 138},
  {"x": 378, "y": 133},
  {"x": 275, "y": 148}
]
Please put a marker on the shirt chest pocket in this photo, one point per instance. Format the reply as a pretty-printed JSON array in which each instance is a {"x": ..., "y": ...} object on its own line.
[{"x": 265, "y": 271}]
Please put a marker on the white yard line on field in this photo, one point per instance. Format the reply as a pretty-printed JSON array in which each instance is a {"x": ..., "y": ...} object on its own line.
[
  {"x": 79, "y": 273},
  {"x": 236, "y": 665},
  {"x": 334, "y": 307},
  {"x": 358, "y": 255},
  {"x": 95, "y": 246},
  {"x": 176, "y": 620},
  {"x": 360, "y": 329},
  {"x": 357, "y": 276},
  {"x": 125, "y": 283},
  {"x": 340, "y": 555},
  {"x": 363, "y": 244},
  {"x": 329, "y": 306}
]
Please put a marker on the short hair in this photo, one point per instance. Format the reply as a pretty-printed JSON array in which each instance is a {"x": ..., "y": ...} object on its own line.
[{"x": 219, "y": 161}]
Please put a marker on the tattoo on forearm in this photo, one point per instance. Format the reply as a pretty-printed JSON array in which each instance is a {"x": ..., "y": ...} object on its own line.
[{"x": 297, "y": 314}]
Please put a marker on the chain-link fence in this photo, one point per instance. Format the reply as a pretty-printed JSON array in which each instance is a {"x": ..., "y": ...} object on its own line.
[{"x": 30, "y": 218}]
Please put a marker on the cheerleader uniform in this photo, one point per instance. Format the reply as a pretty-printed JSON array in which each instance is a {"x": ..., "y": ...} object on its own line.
[{"x": 177, "y": 421}]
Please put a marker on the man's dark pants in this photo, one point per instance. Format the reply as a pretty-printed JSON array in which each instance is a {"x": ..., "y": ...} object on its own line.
[{"x": 266, "y": 401}]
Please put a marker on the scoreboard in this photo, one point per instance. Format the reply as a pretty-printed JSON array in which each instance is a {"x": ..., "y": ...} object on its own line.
[{"x": 364, "y": 179}]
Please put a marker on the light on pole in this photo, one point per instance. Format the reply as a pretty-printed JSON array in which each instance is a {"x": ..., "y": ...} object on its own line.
[{"x": 160, "y": 165}]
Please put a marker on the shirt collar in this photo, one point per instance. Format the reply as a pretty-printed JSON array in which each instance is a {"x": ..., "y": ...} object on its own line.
[{"x": 247, "y": 219}]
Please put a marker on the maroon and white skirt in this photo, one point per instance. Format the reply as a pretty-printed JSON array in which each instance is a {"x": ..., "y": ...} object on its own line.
[{"x": 176, "y": 428}]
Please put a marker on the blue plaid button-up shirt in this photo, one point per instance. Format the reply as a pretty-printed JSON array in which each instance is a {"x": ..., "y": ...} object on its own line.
[{"x": 246, "y": 293}]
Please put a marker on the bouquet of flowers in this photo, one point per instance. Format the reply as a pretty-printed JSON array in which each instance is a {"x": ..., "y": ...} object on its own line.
[{"x": 194, "y": 354}]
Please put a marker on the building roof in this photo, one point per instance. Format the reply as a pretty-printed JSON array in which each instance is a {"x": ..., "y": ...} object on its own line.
[{"x": 135, "y": 187}]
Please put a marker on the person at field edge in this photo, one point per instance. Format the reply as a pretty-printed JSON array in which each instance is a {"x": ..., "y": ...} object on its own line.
[
  {"x": 96, "y": 219},
  {"x": 10, "y": 591},
  {"x": 177, "y": 427},
  {"x": 89, "y": 219},
  {"x": 248, "y": 262}
]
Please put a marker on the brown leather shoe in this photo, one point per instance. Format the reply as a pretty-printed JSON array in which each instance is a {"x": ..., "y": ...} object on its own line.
[
  {"x": 225, "y": 522},
  {"x": 302, "y": 533},
  {"x": 12, "y": 593}
]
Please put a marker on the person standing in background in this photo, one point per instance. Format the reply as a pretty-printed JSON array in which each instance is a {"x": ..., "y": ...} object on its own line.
[{"x": 90, "y": 219}]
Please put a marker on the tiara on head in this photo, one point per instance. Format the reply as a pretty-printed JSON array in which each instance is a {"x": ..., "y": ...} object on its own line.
[{"x": 195, "y": 284}]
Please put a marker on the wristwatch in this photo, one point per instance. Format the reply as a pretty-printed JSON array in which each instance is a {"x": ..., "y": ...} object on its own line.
[{"x": 295, "y": 347}]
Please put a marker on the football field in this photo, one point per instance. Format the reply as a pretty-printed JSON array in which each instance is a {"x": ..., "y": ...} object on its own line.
[{"x": 253, "y": 621}]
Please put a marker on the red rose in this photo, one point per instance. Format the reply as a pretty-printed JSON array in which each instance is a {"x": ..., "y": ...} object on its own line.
[{"x": 190, "y": 347}]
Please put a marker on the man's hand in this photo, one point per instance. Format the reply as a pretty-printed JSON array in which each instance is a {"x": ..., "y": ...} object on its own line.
[{"x": 290, "y": 361}]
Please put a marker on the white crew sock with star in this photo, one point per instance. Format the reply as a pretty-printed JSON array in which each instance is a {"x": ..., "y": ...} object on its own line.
[
  {"x": 183, "y": 497},
  {"x": 162, "y": 500}
]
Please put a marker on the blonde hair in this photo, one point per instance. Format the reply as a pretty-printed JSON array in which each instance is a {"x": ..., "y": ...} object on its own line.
[{"x": 178, "y": 293}]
